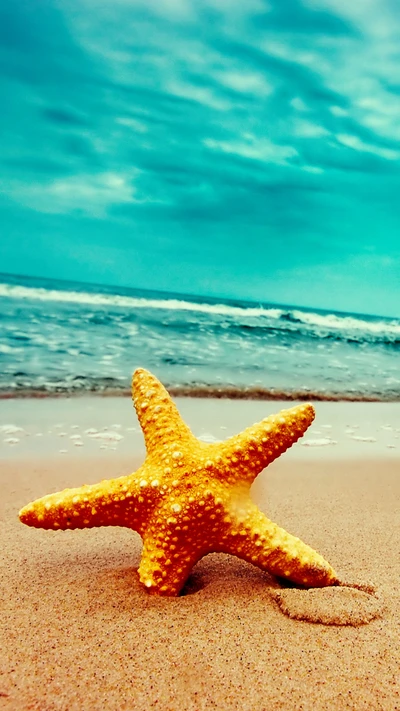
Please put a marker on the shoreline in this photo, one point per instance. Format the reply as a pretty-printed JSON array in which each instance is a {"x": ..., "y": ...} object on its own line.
[
  {"x": 97, "y": 425},
  {"x": 203, "y": 392}
]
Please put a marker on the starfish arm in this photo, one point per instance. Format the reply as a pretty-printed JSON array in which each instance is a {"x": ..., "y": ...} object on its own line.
[
  {"x": 158, "y": 415},
  {"x": 166, "y": 563},
  {"x": 249, "y": 452},
  {"x": 261, "y": 542},
  {"x": 179, "y": 533},
  {"x": 118, "y": 502}
]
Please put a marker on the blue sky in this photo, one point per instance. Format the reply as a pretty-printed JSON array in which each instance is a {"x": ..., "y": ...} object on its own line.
[{"x": 219, "y": 147}]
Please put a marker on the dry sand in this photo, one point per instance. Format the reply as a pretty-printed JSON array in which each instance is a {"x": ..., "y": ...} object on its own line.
[{"x": 79, "y": 632}]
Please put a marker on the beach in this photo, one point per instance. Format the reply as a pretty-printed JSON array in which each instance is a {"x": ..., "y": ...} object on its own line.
[
  {"x": 80, "y": 632},
  {"x": 199, "y": 356}
]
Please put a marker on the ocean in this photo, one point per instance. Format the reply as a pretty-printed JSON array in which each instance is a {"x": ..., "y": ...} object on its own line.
[{"x": 61, "y": 337}]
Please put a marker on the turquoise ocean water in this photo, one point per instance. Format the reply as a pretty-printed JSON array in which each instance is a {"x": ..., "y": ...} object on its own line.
[{"x": 64, "y": 337}]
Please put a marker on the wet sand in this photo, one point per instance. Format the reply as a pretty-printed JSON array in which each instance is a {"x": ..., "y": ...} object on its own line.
[{"x": 78, "y": 631}]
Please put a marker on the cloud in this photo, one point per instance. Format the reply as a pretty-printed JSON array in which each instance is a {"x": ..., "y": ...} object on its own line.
[
  {"x": 277, "y": 120},
  {"x": 254, "y": 149},
  {"x": 87, "y": 194},
  {"x": 307, "y": 129},
  {"x": 294, "y": 17},
  {"x": 358, "y": 145}
]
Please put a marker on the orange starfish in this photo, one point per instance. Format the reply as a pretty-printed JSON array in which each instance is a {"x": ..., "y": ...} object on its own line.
[{"x": 190, "y": 498}]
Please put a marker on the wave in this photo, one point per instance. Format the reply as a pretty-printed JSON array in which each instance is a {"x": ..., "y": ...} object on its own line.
[
  {"x": 78, "y": 297},
  {"x": 346, "y": 323},
  {"x": 347, "y": 327}
]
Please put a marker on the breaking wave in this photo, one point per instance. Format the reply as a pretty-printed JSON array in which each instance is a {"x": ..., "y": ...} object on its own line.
[{"x": 306, "y": 322}]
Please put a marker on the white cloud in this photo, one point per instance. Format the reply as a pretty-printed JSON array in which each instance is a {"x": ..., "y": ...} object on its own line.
[
  {"x": 257, "y": 149},
  {"x": 338, "y": 111},
  {"x": 365, "y": 65},
  {"x": 202, "y": 94},
  {"x": 91, "y": 194},
  {"x": 313, "y": 169},
  {"x": 374, "y": 17},
  {"x": 379, "y": 110},
  {"x": 357, "y": 144},
  {"x": 135, "y": 125},
  {"x": 245, "y": 83},
  {"x": 307, "y": 129},
  {"x": 298, "y": 104},
  {"x": 284, "y": 49}
]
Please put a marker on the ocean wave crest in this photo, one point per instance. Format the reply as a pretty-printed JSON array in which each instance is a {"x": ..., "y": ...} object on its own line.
[
  {"x": 252, "y": 318},
  {"x": 347, "y": 323},
  {"x": 97, "y": 299}
]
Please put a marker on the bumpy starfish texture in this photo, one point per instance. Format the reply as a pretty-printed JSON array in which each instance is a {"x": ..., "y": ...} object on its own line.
[{"x": 190, "y": 498}]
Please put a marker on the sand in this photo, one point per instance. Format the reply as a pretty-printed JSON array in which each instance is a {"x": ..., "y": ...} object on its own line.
[{"x": 78, "y": 631}]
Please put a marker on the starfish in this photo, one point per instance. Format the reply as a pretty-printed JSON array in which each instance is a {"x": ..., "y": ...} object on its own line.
[{"x": 190, "y": 498}]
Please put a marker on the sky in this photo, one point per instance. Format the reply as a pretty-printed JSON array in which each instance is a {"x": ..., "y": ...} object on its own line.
[{"x": 217, "y": 147}]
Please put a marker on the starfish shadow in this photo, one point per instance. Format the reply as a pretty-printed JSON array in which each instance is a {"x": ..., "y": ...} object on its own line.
[
  {"x": 286, "y": 583},
  {"x": 193, "y": 585}
]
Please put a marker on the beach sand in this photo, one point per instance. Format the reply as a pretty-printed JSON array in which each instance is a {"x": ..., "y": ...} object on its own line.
[{"x": 79, "y": 632}]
